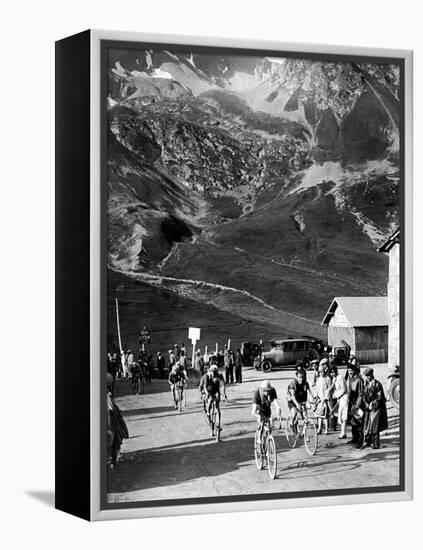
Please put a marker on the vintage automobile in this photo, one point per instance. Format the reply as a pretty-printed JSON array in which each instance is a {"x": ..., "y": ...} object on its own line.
[
  {"x": 292, "y": 351},
  {"x": 250, "y": 351},
  {"x": 337, "y": 355}
]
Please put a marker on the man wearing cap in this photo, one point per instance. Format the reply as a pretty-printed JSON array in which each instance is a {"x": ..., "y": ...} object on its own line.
[
  {"x": 298, "y": 395},
  {"x": 375, "y": 413},
  {"x": 355, "y": 387},
  {"x": 315, "y": 367}
]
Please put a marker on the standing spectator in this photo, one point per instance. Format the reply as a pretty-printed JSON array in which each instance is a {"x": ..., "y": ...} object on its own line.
[
  {"x": 229, "y": 366},
  {"x": 177, "y": 351},
  {"x": 113, "y": 366},
  {"x": 129, "y": 360},
  {"x": 355, "y": 387},
  {"x": 315, "y": 374},
  {"x": 323, "y": 385},
  {"x": 340, "y": 394},
  {"x": 198, "y": 364},
  {"x": 183, "y": 363},
  {"x": 124, "y": 363},
  {"x": 375, "y": 414},
  {"x": 119, "y": 369},
  {"x": 111, "y": 372},
  {"x": 148, "y": 361},
  {"x": 238, "y": 366},
  {"x": 160, "y": 364},
  {"x": 171, "y": 359},
  {"x": 220, "y": 359}
]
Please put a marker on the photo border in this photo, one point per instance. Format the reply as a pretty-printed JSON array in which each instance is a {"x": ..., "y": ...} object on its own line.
[{"x": 100, "y": 508}]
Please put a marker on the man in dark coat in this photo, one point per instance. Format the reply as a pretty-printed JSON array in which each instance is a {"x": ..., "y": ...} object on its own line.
[
  {"x": 238, "y": 366},
  {"x": 375, "y": 413},
  {"x": 355, "y": 387},
  {"x": 229, "y": 366},
  {"x": 160, "y": 364}
]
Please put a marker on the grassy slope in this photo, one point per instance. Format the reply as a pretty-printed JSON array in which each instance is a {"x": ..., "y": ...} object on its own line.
[
  {"x": 168, "y": 317},
  {"x": 267, "y": 255}
]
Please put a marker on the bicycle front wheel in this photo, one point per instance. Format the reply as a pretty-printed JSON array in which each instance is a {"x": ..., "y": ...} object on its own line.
[
  {"x": 272, "y": 459},
  {"x": 290, "y": 433},
  {"x": 216, "y": 427},
  {"x": 258, "y": 451},
  {"x": 310, "y": 437}
]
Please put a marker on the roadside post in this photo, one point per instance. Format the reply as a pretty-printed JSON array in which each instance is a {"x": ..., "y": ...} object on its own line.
[{"x": 194, "y": 336}]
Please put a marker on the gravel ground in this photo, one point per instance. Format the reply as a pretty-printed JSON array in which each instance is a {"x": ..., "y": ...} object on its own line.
[{"x": 170, "y": 455}]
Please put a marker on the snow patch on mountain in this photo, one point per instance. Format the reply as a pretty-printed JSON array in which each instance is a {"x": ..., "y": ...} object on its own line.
[{"x": 369, "y": 228}]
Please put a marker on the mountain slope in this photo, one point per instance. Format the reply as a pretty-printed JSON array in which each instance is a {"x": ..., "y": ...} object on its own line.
[{"x": 257, "y": 187}]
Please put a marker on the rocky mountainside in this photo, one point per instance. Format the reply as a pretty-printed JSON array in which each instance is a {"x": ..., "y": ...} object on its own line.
[{"x": 244, "y": 181}]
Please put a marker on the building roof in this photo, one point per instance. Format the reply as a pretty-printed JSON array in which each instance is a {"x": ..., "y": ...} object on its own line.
[
  {"x": 362, "y": 311},
  {"x": 389, "y": 243}
]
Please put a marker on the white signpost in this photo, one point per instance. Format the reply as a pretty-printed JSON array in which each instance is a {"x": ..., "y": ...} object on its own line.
[{"x": 194, "y": 334}]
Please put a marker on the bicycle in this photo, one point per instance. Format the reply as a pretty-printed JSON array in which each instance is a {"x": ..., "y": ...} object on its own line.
[
  {"x": 306, "y": 430},
  {"x": 137, "y": 384},
  {"x": 265, "y": 448},
  {"x": 214, "y": 419}
]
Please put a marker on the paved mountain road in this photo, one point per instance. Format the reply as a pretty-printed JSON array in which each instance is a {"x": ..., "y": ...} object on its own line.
[{"x": 170, "y": 455}]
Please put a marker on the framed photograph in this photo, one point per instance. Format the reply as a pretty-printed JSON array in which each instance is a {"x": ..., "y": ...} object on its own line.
[{"x": 234, "y": 293}]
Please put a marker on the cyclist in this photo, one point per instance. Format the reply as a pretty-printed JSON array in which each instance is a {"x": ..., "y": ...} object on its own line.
[
  {"x": 210, "y": 385},
  {"x": 298, "y": 395},
  {"x": 176, "y": 375},
  {"x": 136, "y": 374},
  {"x": 263, "y": 398}
]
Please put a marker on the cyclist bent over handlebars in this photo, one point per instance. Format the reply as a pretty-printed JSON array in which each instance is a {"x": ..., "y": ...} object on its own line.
[
  {"x": 209, "y": 388},
  {"x": 263, "y": 398},
  {"x": 298, "y": 396},
  {"x": 176, "y": 375}
]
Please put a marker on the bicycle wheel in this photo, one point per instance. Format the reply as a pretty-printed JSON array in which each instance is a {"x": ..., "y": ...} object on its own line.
[
  {"x": 310, "y": 437},
  {"x": 179, "y": 400},
  {"x": 290, "y": 433},
  {"x": 216, "y": 426},
  {"x": 212, "y": 421},
  {"x": 142, "y": 385},
  {"x": 272, "y": 459},
  {"x": 258, "y": 451},
  {"x": 138, "y": 386},
  {"x": 394, "y": 393}
]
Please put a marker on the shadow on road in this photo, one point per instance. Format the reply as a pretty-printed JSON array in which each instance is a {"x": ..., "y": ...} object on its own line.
[
  {"x": 327, "y": 465},
  {"x": 173, "y": 464}
]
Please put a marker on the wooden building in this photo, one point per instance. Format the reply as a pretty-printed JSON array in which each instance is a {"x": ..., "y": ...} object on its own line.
[
  {"x": 392, "y": 247},
  {"x": 360, "y": 323}
]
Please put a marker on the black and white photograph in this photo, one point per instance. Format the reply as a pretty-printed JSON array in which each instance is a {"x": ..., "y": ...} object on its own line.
[{"x": 253, "y": 214}]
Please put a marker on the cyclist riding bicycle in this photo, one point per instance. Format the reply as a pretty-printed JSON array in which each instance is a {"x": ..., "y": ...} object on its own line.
[
  {"x": 176, "y": 376},
  {"x": 298, "y": 394},
  {"x": 210, "y": 385},
  {"x": 263, "y": 398},
  {"x": 135, "y": 370}
]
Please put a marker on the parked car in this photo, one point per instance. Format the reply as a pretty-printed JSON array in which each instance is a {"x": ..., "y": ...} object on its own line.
[
  {"x": 337, "y": 355},
  {"x": 289, "y": 352},
  {"x": 250, "y": 351}
]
